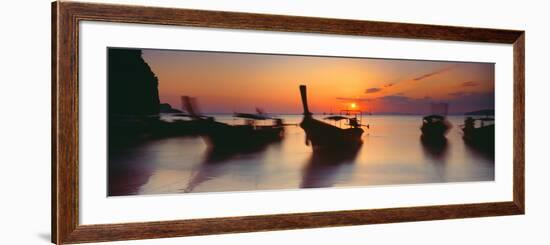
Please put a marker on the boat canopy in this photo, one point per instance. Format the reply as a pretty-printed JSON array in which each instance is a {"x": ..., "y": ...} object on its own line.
[
  {"x": 351, "y": 112},
  {"x": 486, "y": 119},
  {"x": 336, "y": 118},
  {"x": 434, "y": 116}
]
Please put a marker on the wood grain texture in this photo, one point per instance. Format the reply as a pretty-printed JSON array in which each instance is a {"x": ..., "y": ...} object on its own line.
[
  {"x": 65, "y": 208},
  {"x": 519, "y": 122},
  {"x": 65, "y": 104},
  {"x": 149, "y": 230},
  {"x": 54, "y": 123},
  {"x": 235, "y": 20}
]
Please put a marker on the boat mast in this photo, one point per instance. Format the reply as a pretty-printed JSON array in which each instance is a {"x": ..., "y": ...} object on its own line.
[
  {"x": 189, "y": 104},
  {"x": 303, "y": 93}
]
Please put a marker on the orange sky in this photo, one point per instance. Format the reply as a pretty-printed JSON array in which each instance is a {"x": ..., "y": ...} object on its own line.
[{"x": 230, "y": 82}]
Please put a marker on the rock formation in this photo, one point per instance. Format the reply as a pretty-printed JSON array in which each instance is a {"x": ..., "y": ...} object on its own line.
[{"x": 132, "y": 86}]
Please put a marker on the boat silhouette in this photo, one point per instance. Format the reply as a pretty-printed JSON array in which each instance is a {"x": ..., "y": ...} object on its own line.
[
  {"x": 322, "y": 135},
  {"x": 435, "y": 126},
  {"x": 249, "y": 135},
  {"x": 479, "y": 130}
]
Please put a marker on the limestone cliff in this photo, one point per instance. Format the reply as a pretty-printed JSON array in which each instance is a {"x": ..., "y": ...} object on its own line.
[{"x": 132, "y": 86}]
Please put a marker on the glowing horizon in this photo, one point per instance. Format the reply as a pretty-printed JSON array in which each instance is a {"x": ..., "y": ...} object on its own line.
[{"x": 229, "y": 82}]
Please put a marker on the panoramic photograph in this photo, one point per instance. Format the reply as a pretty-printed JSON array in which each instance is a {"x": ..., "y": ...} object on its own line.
[{"x": 183, "y": 121}]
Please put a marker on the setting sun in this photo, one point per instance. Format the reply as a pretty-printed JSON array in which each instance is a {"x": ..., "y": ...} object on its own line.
[{"x": 353, "y": 106}]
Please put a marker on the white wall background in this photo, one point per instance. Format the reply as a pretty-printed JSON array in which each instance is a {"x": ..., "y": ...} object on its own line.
[{"x": 25, "y": 121}]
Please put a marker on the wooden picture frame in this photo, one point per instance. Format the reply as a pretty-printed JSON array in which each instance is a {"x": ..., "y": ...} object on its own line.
[{"x": 65, "y": 121}]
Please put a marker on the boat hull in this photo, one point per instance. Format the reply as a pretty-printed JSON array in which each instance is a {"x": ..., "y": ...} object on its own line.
[
  {"x": 231, "y": 137},
  {"x": 481, "y": 138},
  {"x": 434, "y": 131},
  {"x": 325, "y": 136}
]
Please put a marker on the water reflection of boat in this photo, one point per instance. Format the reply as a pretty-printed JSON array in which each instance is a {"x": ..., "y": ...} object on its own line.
[
  {"x": 251, "y": 134},
  {"x": 479, "y": 130},
  {"x": 324, "y": 168},
  {"x": 218, "y": 163},
  {"x": 324, "y": 135},
  {"x": 435, "y": 150},
  {"x": 129, "y": 168}
]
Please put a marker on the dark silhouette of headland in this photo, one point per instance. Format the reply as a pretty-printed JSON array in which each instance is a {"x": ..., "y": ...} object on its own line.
[
  {"x": 133, "y": 87},
  {"x": 133, "y": 102}
]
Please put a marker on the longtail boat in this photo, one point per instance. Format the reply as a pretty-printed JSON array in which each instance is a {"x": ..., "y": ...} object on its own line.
[
  {"x": 322, "y": 135},
  {"x": 251, "y": 134},
  {"x": 436, "y": 126},
  {"x": 479, "y": 129}
]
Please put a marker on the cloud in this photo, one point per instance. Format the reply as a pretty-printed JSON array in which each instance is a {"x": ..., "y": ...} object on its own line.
[
  {"x": 352, "y": 99},
  {"x": 464, "y": 101},
  {"x": 460, "y": 102},
  {"x": 458, "y": 94},
  {"x": 424, "y": 76},
  {"x": 400, "y": 97},
  {"x": 395, "y": 98},
  {"x": 372, "y": 90},
  {"x": 388, "y": 85},
  {"x": 469, "y": 84}
]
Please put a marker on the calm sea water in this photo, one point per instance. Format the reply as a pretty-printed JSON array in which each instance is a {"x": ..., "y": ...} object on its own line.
[{"x": 392, "y": 154}]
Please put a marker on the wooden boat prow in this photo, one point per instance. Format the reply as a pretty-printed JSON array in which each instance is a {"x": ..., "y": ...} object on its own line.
[{"x": 322, "y": 135}]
